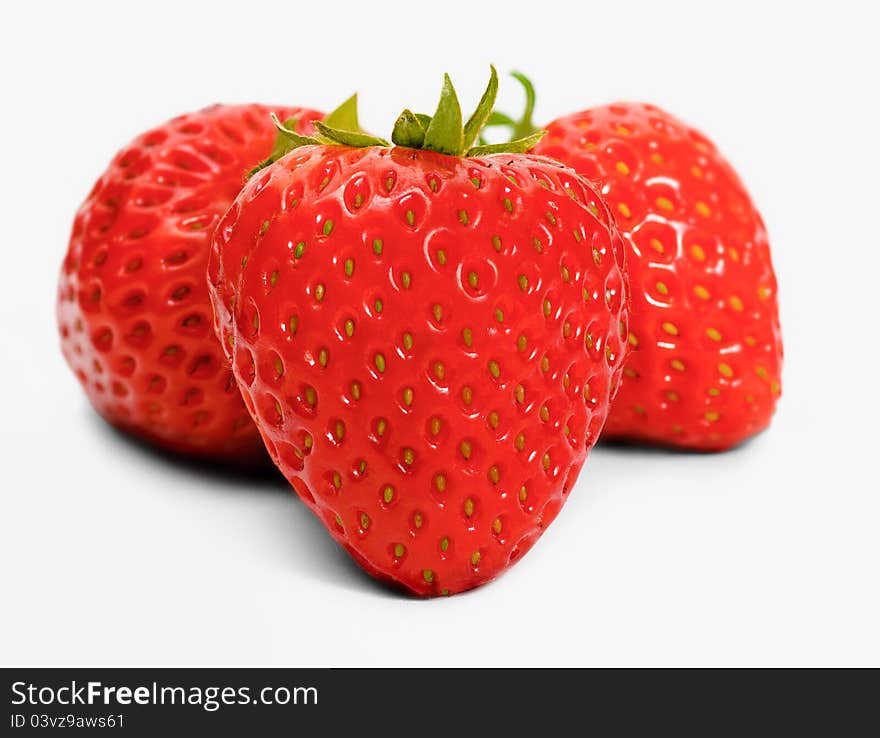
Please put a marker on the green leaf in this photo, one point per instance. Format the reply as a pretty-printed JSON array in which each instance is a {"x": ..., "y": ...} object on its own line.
[
  {"x": 286, "y": 140},
  {"x": 498, "y": 118},
  {"x": 484, "y": 108},
  {"x": 519, "y": 146},
  {"x": 524, "y": 126},
  {"x": 408, "y": 131},
  {"x": 425, "y": 120},
  {"x": 287, "y": 133},
  {"x": 445, "y": 134},
  {"x": 347, "y": 138},
  {"x": 345, "y": 117},
  {"x": 283, "y": 143}
]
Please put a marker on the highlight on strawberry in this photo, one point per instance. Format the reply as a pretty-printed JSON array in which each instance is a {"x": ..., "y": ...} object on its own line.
[
  {"x": 704, "y": 371},
  {"x": 426, "y": 333}
]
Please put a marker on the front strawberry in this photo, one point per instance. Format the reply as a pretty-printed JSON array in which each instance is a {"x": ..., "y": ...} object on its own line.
[{"x": 426, "y": 336}]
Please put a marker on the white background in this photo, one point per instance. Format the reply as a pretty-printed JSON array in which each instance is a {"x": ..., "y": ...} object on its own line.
[{"x": 766, "y": 555}]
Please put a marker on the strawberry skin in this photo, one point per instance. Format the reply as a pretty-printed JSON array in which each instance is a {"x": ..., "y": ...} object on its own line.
[
  {"x": 133, "y": 307},
  {"x": 704, "y": 371},
  {"x": 427, "y": 344}
]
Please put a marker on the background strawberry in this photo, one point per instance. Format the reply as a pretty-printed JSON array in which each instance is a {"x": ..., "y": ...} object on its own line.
[
  {"x": 427, "y": 341},
  {"x": 133, "y": 307},
  {"x": 704, "y": 371}
]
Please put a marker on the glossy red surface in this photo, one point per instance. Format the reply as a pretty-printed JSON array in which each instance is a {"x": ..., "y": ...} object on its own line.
[
  {"x": 704, "y": 372},
  {"x": 133, "y": 307},
  {"x": 427, "y": 344}
]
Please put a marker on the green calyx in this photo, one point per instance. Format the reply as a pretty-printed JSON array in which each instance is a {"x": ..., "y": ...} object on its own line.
[
  {"x": 444, "y": 132},
  {"x": 344, "y": 118},
  {"x": 522, "y": 128}
]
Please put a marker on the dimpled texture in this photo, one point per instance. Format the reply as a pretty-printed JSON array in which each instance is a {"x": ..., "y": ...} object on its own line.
[
  {"x": 427, "y": 344},
  {"x": 133, "y": 307},
  {"x": 704, "y": 371}
]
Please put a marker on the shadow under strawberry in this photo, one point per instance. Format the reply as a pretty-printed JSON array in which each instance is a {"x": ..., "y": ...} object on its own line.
[
  {"x": 293, "y": 526},
  {"x": 634, "y": 446}
]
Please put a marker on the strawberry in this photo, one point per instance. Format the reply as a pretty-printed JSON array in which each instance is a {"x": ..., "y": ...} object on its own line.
[
  {"x": 426, "y": 335},
  {"x": 704, "y": 371},
  {"x": 133, "y": 306}
]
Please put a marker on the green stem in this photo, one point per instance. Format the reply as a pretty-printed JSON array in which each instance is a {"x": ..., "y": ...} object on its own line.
[{"x": 524, "y": 126}]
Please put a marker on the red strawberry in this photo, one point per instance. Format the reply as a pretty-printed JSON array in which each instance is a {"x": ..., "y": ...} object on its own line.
[
  {"x": 133, "y": 307},
  {"x": 704, "y": 372},
  {"x": 415, "y": 332}
]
